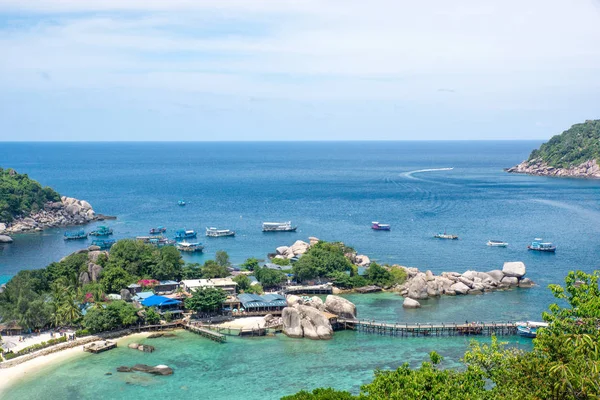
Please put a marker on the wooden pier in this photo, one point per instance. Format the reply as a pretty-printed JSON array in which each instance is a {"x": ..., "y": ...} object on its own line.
[
  {"x": 207, "y": 333},
  {"x": 409, "y": 330},
  {"x": 99, "y": 347},
  {"x": 314, "y": 289}
]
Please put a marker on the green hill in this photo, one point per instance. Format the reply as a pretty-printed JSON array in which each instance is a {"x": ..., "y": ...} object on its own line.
[
  {"x": 571, "y": 148},
  {"x": 20, "y": 195}
]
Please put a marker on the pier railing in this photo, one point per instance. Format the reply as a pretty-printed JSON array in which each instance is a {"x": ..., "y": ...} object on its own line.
[{"x": 427, "y": 329}]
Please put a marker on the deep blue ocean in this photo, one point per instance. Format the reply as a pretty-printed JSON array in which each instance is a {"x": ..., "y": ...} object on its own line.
[{"x": 333, "y": 191}]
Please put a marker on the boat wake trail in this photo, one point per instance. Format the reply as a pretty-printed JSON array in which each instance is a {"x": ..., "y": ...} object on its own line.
[
  {"x": 581, "y": 211},
  {"x": 410, "y": 173}
]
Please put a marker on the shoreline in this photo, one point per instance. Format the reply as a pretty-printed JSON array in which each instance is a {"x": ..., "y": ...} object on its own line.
[{"x": 14, "y": 375}]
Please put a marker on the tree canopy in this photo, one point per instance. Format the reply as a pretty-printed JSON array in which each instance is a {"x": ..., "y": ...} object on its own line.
[
  {"x": 321, "y": 260},
  {"x": 20, "y": 195},
  {"x": 206, "y": 299},
  {"x": 573, "y": 147}
]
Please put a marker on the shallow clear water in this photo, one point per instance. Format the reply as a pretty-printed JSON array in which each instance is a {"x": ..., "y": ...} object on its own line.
[
  {"x": 332, "y": 191},
  {"x": 249, "y": 368}
]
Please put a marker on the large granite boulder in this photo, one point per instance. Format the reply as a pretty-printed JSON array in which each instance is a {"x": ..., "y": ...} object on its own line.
[
  {"x": 515, "y": 269},
  {"x": 282, "y": 250},
  {"x": 125, "y": 295},
  {"x": 362, "y": 260},
  {"x": 510, "y": 281},
  {"x": 5, "y": 239},
  {"x": 84, "y": 278},
  {"x": 496, "y": 274},
  {"x": 299, "y": 247},
  {"x": 315, "y": 324},
  {"x": 2, "y": 227},
  {"x": 94, "y": 271},
  {"x": 339, "y": 306},
  {"x": 292, "y": 325},
  {"x": 410, "y": 303},
  {"x": 526, "y": 283},
  {"x": 460, "y": 288},
  {"x": 417, "y": 287},
  {"x": 292, "y": 299}
]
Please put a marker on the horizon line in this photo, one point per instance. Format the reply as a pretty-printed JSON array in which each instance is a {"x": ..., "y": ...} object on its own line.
[{"x": 274, "y": 141}]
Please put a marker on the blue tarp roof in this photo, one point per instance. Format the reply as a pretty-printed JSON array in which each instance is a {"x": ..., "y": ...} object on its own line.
[
  {"x": 268, "y": 300},
  {"x": 155, "y": 300},
  {"x": 143, "y": 295}
]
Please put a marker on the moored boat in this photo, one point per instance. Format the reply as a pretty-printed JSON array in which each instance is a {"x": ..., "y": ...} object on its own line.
[
  {"x": 497, "y": 243},
  {"x": 101, "y": 231},
  {"x": 181, "y": 203},
  {"x": 529, "y": 328},
  {"x": 158, "y": 241},
  {"x": 278, "y": 227},
  {"x": 380, "y": 227},
  {"x": 214, "y": 232},
  {"x": 103, "y": 243},
  {"x": 190, "y": 247},
  {"x": 445, "y": 236},
  {"x": 538, "y": 245},
  {"x": 75, "y": 235},
  {"x": 158, "y": 230},
  {"x": 185, "y": 234}
]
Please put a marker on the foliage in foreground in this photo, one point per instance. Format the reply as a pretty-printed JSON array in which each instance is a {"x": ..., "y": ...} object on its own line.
[{"x": 564, "y": 363}]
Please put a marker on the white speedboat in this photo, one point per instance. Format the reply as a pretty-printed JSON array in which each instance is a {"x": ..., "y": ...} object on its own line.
[
  {"x": 497, "y": 243},
  {"x": 190, "y": 247}
]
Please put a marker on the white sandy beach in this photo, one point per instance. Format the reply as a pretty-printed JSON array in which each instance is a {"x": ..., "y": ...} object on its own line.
[{"x": 11, "y": 376}]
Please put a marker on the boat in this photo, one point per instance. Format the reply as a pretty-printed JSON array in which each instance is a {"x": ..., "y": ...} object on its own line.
[
  {"x": 214, "y": 232},
  {"x": 539, "y": 245},
  {"x": 190, "y": 247},
  {"x": 158, "y": 241},
  {"x": 185, "y": 234},
  {"x": 181, "y": 203},
  {"x": 497, "y": 243},
  {"x": 380, "y": 227},
  {"x": 445, "y": 236},
  {"x": 529, "y": 328},
  {"x": 75, "y": 235},
  {"x": 101, "y": 231},
  {"x": 158, "y": 231},
  {"x": 103, "y": 243},
  {"x": 278, "y": 227}
]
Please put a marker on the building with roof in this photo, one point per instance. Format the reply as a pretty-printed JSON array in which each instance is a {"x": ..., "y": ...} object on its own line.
[
  {"x": 163, "y": 304},
  {"x": 134, "y": 288},
  {"x": 227, "y": 284},
  {"x": 142, "y": 296},
  {"x": 270, "y": 303},
  {"x": 166, "y": 287}
]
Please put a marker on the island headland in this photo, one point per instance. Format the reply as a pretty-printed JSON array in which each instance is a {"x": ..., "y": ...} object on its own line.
[{"x": 575, "y": 154}]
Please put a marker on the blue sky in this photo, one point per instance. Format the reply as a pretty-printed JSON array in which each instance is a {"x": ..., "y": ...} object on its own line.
[{"x": 296, "y": 70}]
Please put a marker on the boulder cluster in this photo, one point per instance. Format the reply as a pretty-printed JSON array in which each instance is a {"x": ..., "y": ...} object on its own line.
[
  {"x": 158, "y": 370},
  {"x": 423, "y": 285},
  {"x": 307, "y": 318},
  {"x": 93, "y": 271},
  {"x": 146, "y": 348},
  {"x": 68, "y": 211},
  {"x": 588, "y": 169}
]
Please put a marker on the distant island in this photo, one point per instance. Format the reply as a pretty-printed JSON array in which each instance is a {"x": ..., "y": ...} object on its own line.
[
  {"x": 574, "y": 153},
  {"x": 27, "y": 206}
]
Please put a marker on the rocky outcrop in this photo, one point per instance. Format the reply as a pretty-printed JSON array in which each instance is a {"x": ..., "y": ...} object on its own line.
[
  {"x": 421, "y": 286},
  {"x": 306, "y": 318},
  {"x": 295, "y": 250},
  {"x": 5, "y": 239},
  {"x": 93, "y": 272},
  {"x": 68, "y": 211},
  {"x": 410, "y": 303},
  {"x": 125, "y": 295},
  {"x": 340, "y": 306},
  {"x": 536, "y": 166},
  {"x": 158, "y": 370}
]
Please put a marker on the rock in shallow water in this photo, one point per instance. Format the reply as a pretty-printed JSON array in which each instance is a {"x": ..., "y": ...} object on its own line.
[{"x": 410, "y": 303}]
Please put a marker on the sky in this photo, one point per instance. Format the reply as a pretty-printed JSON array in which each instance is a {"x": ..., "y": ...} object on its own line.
[{"x": 218, "y": 70}]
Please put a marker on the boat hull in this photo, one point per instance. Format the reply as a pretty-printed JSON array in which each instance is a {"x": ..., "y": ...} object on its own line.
[
  {"x": 544, "y": 250},
  {"x": 526, "y": 332},
  {"x": 212, "y": 235},
  {"x": 292, "y": 229}
]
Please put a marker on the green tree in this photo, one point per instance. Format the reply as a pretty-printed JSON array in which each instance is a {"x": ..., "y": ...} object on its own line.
[
  {"x": 113, "y": 279},
  {"x": 168, "y": 266},
  {"x": 243, "y": 282},
  {"x": 269, "y": 278},
  {"x": 152, "y": 317},
  {"x": 206, "y": 299},
  {"x": 222, "y": 259},
  {"x": 322, "y": 260},
  {"x": 280, "y": 261},
  {"x": 378, "y": 275},
  {"x": 250, "y": 264},
  {"x": 213, "y": 270},
  {"x": 191, "y": 271}
]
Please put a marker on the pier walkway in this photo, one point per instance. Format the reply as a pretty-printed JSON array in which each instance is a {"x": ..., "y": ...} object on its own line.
[
  {"x": 449, "y": 329},
  {"x": 312, "y": 289},
  {"x": 207, "y": 333}
]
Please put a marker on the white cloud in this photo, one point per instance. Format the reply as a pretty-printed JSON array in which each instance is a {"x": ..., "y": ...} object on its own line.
[{"x": 493, "y": 55}]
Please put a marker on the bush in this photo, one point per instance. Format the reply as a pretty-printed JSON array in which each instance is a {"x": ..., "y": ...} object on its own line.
[
  {"x": 280, "y": 261},
  {"x": 82, "y": 333},
  {"x": 9, "y": 356}
]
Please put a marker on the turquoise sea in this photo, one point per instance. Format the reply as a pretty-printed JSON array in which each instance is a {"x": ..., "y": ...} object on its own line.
[{"x": 332, "y": 191}]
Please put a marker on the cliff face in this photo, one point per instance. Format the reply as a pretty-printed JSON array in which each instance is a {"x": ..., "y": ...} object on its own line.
[
  {"x": 574, "y": 153},
  {"x": 588, "y": 169}
]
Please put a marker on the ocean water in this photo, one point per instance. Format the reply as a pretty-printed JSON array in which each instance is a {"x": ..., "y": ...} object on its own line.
[{"x": 332, "y": 191}]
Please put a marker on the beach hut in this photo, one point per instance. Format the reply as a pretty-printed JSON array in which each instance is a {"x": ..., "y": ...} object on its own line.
[
  {"x": 163, "y": 305},
  {"x": 11, "y": 328}
]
